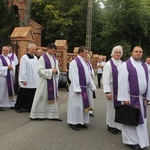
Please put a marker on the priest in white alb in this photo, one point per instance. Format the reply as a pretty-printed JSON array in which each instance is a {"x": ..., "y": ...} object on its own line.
[
  {"x": 90, "y": 92},
  {"x": 7, "y": 71},
  {"x": 78, "y": 101},
  {"x": 110, "y": 88},
  {"x": 134, "y": 90},
  {"x": 45, "y": 104},
  {"x": 13, "y": 56}
]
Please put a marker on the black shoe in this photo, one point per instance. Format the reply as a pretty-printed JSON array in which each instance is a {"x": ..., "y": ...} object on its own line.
[
  {"x": 112, "y": 130},
  {"x": 91, "y": 115},
  {"x": 82, "y": 126},
  {"x": 118, "y": 130},
  {"x": 74, "y": 127},
  {"x": 19, "y": 111},
  {"x": 12, "y": 107},
  {"x": 135, "y": 147},
  {"x": 56, "y": 119},
  {"x": 2, "y": 109},
  {"x": 38, "y": 119}
]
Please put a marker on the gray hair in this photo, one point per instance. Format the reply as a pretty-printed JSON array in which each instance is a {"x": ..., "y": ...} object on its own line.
[
  {"x": 119, "y": 47},
  {"x": 40, "y": 50},
  {"x": 30, "y": 45}
]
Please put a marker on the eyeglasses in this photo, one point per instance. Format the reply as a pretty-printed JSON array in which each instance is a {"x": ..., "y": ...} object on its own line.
[{"x": 117, "y": 52}]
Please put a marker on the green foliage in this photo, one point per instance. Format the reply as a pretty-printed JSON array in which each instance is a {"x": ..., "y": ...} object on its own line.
[
  {"x": 120, "y": 22},
  {"x": 61, "y": 20},
  {"x": 8, "y": 21},
  {"x": 126, "y": 20}
]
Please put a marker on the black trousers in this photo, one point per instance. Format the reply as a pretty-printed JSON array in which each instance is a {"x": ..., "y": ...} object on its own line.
[
  {"x": 25, "y": 98},
  {"x": 99, "y": 76}
]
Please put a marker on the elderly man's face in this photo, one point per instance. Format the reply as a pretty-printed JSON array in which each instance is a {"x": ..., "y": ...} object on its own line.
[
  {"x": 32, "y": 49},
  {"x": 5, "y": 50},
  {"x": 117, "y": 54}
]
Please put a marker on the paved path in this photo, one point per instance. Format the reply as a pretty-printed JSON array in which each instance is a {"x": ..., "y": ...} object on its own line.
[{"x": 17, "y": 132}]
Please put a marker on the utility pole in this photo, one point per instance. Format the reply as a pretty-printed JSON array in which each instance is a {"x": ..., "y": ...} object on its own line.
[
  {"x": 27, "y": 14},
  {"x": 89, "y": 25}
]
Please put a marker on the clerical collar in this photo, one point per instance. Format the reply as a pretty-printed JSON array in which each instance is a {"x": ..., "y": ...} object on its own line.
[
  {"x": 30, "y": 56},
  {"x": 136, "y": 60},
  {"x": 48, "y": 54}
]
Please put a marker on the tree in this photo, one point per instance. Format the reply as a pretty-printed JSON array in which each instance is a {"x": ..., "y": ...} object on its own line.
[
  {"x": 118, "y": 22},
  {"x": 125, "y": 20},
  {"x": 8, "y": 21},
  {"x": 61, "y": 19}
]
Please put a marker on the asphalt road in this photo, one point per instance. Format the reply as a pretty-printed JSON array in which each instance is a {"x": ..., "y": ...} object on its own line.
[{"x": 18, "y": 132}]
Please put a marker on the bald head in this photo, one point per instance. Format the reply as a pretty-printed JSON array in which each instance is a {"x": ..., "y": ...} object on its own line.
[
  {"x": 5, "y": 50},
  {"x": 40, "y": 52}
]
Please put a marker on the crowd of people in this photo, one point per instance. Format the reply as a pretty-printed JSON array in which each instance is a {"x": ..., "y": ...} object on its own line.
[{"x": 124, "y": 83}]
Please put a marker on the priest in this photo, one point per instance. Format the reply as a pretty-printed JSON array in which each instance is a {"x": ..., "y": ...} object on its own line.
[
  {"x": 134, "y": 90},
  {"x": 110, "y": 87},
  {"x": 7, "y": 71},
  {"x": 13, "y": 56},
  {"x": 78, "y": 100},
  {"x": 91, "y": 93},
  {"x": 45, "y": 104}
]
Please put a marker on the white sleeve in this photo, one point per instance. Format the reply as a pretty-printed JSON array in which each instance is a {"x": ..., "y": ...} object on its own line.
[
  {"x": 3, "y": 69},
  {"x": 107, "y": 75},
  {"x": 74, "y": 76},
  {"x": 42, "y": 71},
  {"x": 22, "y": 69}
]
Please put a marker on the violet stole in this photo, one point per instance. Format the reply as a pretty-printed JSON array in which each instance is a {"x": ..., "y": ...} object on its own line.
[
  {"x": 134, "y": 87},
  {"x": 8, "y": 77},
  {"x": 90, "y": 67},
  {"x": 115, "y": 83},
  {"x": 82, "y": 81},
  {"x": 50, "y": 84},
  {"x": 12, "y": 56}
]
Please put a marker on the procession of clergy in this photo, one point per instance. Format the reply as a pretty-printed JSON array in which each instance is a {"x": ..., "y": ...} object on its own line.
[{"x": 124, "y": 83}]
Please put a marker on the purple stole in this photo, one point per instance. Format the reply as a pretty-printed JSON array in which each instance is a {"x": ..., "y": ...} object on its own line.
[
  {"x": 90, "y": 67},
  {"x": 12, "y": 56},
  {"x": 8, "y": 77},
  {"x": 115, "y": 83},
  {"x": 50, "y": 84},
  {"x": 83, "y": 85},
  {"x": 134, "y": 87}
]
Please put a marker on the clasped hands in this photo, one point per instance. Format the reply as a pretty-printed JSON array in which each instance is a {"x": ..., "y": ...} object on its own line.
[
  {"x": 54, "y": 70},
  {"x": 10, "y": 67}
]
